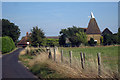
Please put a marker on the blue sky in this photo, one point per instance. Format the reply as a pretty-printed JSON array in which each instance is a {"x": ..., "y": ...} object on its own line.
[{"x": 54, "y": 16}]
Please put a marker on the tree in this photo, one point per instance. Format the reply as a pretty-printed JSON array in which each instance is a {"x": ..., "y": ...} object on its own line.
[
  {"x": 44, "y": 42},
  {"x": 91, "y": 42},
  {"x": 115, "y": 38},
  {"x": 80, "y": 38},
  {"x": 119, "y": 35},
  {"x": 101, "y": 39},
  {"x": 75, "y": 35},
  {"x": 107, "y": 39},
  {"x": 50, "y": 42},
  {"x": 37, "y": 36},
  {"x": 0, "y": 28},
  {"x": 10, "y": 29},
  {"x": 62, "y": 38}
]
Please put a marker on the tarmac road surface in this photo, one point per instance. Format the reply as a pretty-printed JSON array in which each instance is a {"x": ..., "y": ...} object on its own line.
[{"x": 12, "y": 68}]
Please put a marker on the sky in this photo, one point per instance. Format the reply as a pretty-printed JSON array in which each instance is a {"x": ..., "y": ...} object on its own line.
[
  {"x": 60, "y": 0},
  {"x": 51, "y": 17}
]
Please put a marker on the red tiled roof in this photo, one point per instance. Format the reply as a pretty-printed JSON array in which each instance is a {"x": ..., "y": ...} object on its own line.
[{"x": 23, "y": 41}]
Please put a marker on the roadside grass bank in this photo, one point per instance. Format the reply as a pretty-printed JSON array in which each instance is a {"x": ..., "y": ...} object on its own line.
[
  {"x": 39, "y": 64},
  {"x": 10, "y": 51}
]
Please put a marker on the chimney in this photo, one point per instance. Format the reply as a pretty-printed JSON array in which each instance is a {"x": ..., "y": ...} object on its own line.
[{"x": 27, "y": 34}]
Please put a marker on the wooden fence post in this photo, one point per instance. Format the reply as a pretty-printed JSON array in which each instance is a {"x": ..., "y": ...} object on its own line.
[
  {"x": 54, "y": 54},
  {"x": 84, "y": 57},
  {"x": 61, "y": 55},
  {"x": 70, "y": 53},
  {"x": 50, "y": 55},
  {"x": 48, "y": 49},
  {"x": 82, "y": 64},
  {"x": 99, "y": 63}
]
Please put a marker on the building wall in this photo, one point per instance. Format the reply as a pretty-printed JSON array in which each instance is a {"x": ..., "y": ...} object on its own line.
[{"x": 94, "y": 36}]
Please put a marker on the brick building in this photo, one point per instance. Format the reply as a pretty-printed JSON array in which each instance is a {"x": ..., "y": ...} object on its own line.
[
  {"x": 24, "y": 41},
  {"x": 93, "y": 30}
]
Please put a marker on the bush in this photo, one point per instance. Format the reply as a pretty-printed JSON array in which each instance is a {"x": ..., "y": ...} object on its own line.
[
  {"x": 37, "y": 36},
  {"x": 50, "y": 42},
  {"x": 107, "y": 39},
  {"x": 92, "y": 42},
  {"x": 7, "y": 44},
  {"x": 0, "y": 44}
]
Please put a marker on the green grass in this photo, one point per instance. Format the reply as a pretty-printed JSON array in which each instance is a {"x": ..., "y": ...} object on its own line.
[
  {"x": 43, "y": 71},
  {"x": 23, "y": 59},
  {"x": 10, "y": 51},
  {"x": 109, "y": 55}
]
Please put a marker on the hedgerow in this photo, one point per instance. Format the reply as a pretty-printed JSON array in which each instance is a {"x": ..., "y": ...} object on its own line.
[{"x": 7, "y": 44}]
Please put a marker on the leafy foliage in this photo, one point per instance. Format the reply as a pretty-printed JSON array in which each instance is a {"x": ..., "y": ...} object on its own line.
[
  {"x": 10, "y": 29},
  {"x": 79, "y": 38},
  {"x": 119, "y": 35},
  {"x": 107, "y": 39},
  {"x": 92, "y": 42},
  {"x": 37, "y": 36},
  {"x": 50, "y": 42},
  {"x": 75, "y": 35},
  {"x": 115, "y": 39},
  {"x": 101, "y": 39},
  {"x": 62, "y": 38},
  {"x": 0, "y": 43},
  {"x": 7, "y": 44},
  {"x": 0, "y": 28},
  {"x": 110, "y": 39}
]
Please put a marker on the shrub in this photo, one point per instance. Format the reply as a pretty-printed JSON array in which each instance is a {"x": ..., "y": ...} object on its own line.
[
  {"x": 0, "y": 43},
  {"x": 7, "y": 44},
  {"x": 50, "y": 42},
  {"x": 91, "y": 42}
]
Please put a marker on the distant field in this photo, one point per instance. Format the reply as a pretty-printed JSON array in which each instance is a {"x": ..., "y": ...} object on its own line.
[{"x": 109, "y": 54}]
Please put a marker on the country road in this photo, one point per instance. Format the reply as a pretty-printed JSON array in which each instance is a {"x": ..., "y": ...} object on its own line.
[{"x": 12, "y": 68}]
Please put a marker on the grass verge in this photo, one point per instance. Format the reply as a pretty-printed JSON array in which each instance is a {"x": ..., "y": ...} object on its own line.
[
  {"x": 39, "y": 66},
  {"x": 10, "y": 51}
]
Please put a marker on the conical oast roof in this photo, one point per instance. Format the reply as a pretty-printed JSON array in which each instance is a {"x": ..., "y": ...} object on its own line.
[{"x": 93, "y": 27}]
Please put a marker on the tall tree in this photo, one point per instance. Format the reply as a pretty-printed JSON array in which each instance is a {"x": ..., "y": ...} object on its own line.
[
  {"x": 62, "y": 38},
  {"x": 0, "y": 27},
  {"x": 80, "y": 37},
  {"x": 107, "y": 39},
  {"x": 37, "y": 36},
  {"x": 10, "y": 29},
  {"x": 119, "y": 35},
  {"x": 75, "y": 35}
]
